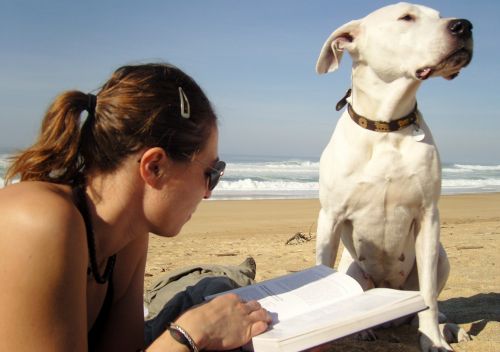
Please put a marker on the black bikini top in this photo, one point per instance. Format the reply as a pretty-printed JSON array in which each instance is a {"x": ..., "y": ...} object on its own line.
[{"x": 97, "y": 328}]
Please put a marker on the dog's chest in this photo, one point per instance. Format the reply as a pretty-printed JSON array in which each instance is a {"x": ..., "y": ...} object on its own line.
[
  {"x": 379, "y": 183},
  {"x": 358, "y": 160}
]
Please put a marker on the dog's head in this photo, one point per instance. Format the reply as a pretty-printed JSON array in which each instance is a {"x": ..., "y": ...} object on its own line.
[{"x": 402, "y": 40}]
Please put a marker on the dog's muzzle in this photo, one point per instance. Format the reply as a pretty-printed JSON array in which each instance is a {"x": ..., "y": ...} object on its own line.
[
  {"x": 461, "y": 28},
  {"x": 461, "y": 32}
]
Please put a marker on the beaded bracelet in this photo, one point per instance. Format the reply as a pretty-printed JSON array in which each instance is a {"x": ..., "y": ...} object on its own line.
[{"x": 180, "y": 335}]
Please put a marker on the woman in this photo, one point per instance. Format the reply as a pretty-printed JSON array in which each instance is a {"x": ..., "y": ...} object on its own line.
[{"x": 74, "y": 235}]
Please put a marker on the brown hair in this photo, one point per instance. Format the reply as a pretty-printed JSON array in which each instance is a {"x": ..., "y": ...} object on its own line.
[{"x": 139, "y": 106}]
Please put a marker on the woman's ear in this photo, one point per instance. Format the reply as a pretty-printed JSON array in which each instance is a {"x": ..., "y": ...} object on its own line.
[{"x": 152, "y": 166}]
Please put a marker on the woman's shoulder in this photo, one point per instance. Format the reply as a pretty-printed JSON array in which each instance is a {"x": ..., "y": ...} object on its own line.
[
  {"x": 35, "y": 198},
  {"x": 39, "y": 211},
  {"x": 44, "y": 262}
]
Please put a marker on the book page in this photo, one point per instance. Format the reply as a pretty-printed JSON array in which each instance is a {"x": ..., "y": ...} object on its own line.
[
  {"x": 385, "y": 304},
  {"x": 300, "y": 292}
]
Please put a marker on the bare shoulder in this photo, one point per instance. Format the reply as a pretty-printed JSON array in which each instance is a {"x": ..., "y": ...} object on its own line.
[
  {"x": 37, "y": 201},
  {"x": 44, "y": 259},
  {"x": 40, "y": 215}
]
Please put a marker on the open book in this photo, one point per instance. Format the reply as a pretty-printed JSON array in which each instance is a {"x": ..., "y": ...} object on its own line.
[{"x": 319, "y": 304}]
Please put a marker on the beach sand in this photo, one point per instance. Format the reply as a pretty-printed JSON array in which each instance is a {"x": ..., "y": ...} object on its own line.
[{"x": 226, "y": 232}]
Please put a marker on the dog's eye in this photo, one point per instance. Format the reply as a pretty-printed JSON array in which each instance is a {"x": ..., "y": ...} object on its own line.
[{"x": 407, "y": 18}]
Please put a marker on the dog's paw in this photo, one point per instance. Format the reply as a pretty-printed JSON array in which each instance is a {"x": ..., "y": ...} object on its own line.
[
  {"x": 427, "y": 345},
  {"x": 463, "y": 336},
  {"x": 453, "y": 333}
]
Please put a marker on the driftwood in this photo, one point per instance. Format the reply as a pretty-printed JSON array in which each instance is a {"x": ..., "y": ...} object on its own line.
[{"x": 300, "y": 238}]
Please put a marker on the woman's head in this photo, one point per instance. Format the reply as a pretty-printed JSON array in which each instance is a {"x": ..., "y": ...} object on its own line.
[{"x": 140, "y": 106}]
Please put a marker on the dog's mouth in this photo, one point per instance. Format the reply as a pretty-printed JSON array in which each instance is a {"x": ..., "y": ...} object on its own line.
[{"x": 449, "y": 67}]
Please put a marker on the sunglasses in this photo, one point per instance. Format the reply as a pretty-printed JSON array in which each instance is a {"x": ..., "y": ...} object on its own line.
[{"x": 214, "y": 173}]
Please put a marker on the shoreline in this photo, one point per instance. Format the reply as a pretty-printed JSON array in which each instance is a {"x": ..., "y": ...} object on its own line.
[
  {"x": 226, "y": 232},
  {"x": 291, "y": 197}
]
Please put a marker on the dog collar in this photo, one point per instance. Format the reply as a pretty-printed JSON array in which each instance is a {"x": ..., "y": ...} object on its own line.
[
  {"x": 382, "y": 126},
  {"x": 378, "y": 126}
]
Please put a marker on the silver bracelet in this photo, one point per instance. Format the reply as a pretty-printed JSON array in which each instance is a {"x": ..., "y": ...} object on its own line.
[{"x": 180, "y": 335}]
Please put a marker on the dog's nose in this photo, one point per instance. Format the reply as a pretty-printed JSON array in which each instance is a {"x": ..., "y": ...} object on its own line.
[{"x": 460, "y": 27}]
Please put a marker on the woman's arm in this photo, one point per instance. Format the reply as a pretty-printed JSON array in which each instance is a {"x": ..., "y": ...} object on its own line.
[{"x": 224, "y": 323}]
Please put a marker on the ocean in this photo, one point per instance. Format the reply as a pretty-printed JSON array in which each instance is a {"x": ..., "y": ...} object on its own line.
[{"x": 251, "y": 177}]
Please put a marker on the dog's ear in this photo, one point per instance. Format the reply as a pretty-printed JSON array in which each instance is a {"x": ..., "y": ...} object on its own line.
[{"x": 331, "y": 53}]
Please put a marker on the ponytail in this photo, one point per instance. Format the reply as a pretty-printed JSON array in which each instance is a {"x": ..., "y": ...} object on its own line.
[
  {"x": 54, "y": 157},
  {"x": 142, "y": 106}
]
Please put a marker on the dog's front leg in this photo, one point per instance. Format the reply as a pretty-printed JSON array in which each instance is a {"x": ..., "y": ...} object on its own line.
[
  {"x": 327, "y": 238},
  {"x": 427, "y": 255}
]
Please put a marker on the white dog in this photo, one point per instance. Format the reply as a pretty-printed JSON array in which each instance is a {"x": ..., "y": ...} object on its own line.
[{"x": 380, "y": 174}]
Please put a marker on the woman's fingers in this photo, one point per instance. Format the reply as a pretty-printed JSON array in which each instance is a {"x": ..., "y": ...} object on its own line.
[
  {"x": 253, "y": 305},
  {"x": 258, "y": 328},
  {"x": 257, "y": 313}
]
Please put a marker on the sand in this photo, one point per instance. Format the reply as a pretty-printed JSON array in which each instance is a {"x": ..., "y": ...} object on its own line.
[{"x": 226, "y": 232}]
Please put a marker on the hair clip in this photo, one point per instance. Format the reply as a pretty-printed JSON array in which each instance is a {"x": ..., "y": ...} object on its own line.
[{"x": 185, "y": 108}]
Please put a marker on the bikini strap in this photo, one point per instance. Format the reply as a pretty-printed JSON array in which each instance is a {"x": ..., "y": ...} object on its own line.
[{"x": 81, "y": 204}]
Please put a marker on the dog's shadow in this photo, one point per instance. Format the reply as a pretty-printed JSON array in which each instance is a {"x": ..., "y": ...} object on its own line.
[{"x": 477, "y": 310}]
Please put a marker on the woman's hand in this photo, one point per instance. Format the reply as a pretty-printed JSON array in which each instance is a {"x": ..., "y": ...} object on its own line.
[{"x": 224, "y": 323}]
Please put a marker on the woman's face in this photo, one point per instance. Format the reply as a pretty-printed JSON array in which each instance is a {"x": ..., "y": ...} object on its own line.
[{"x": 186, "y": 186}]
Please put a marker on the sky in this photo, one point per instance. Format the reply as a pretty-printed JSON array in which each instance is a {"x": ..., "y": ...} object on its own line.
[{"x": 254, "y": 59}]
